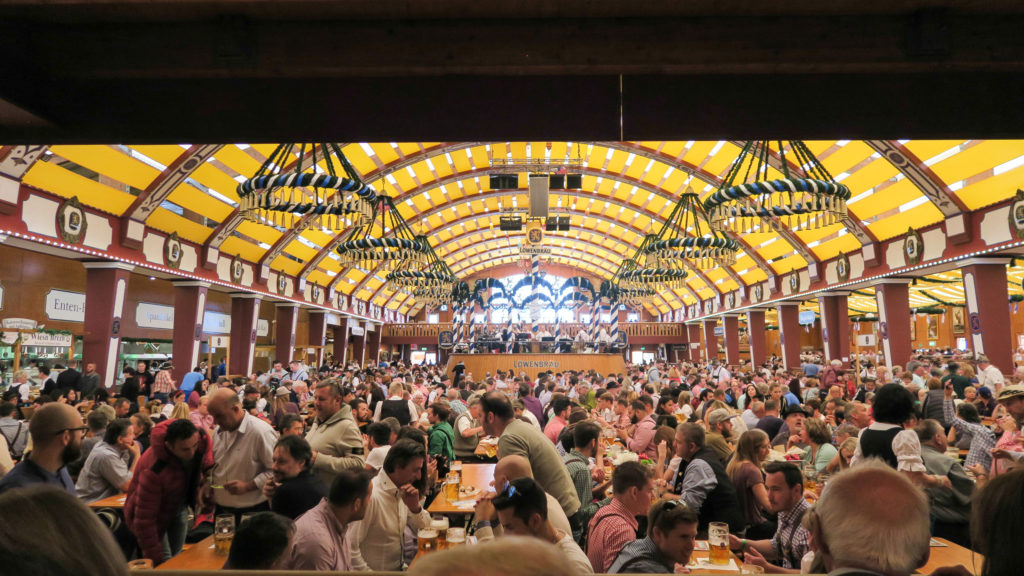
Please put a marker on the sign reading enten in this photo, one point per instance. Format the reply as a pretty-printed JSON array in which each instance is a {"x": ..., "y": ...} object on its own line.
[
  {"x": 553, "y": 364},
  {"x": 66, "y": 306}
]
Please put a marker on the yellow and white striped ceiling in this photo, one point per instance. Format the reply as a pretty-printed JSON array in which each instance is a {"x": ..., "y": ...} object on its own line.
[{"x": 628, "y": 190}]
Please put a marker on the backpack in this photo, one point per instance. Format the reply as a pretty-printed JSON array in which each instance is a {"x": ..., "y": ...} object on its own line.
[{"x": 10, "y": 443}]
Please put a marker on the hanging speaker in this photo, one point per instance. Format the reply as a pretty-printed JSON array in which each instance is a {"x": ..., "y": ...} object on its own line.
[
  {"x": 574, "y": 182},
  {"x": 504, "y": 181},
  {"x": 539, "y": 191}
]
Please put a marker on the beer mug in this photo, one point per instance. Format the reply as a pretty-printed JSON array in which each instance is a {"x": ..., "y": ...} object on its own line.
[
  {"x": 810, "y": 478},
  {"x": 456, "y": 537},
  {"x": 718, "y": 543},
  {"x": 223, "y": 533},
  {"x": 440, "y": 525},
  {"x": 451, "y": 488}
]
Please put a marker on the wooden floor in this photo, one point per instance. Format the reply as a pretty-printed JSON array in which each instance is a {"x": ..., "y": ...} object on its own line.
[{"x": 480, "y": 364}]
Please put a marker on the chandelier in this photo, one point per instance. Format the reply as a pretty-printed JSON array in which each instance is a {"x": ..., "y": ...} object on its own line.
[
  {"x": 641, "y": 277},
  {"x": 763, "y": 192},
  {"x": 686, "y": 235},
  {"x": 303, "y": 186},
  {"x": 433, "y": 283},
  {"x": 384, "y": 241}
]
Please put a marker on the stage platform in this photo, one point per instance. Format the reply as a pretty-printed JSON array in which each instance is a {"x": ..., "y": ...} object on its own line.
[{"x": 480, "y": 364}]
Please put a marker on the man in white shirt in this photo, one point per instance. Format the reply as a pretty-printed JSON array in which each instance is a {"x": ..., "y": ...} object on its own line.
[
  {"x": 243, "y": 450},
  {"x": 378, "y": 540},
  {"x": 989, "y": 375},
  {"x": 719, "y": 373}
]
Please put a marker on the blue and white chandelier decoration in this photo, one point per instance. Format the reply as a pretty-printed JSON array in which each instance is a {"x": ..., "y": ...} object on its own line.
[
  {"x": 753, "y": 197},
  {"x": 306, "y": 185}
]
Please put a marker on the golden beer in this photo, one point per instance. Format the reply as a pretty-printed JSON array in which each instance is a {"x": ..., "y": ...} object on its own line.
[
  {"x": 451, "y": 491},
  {"x": 427, "y": 542},
  {"x": 440, "y": 525},
  {"x": 456, "y": 537},
  {"x": 222, "y": 544},
  {"x": 718, "y": 543},
  {"x": 719, "y": 554}
]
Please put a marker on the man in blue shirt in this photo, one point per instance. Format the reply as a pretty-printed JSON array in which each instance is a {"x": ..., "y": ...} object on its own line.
[
  {"x": 190, "y": 380},
  {"x": 57, "y": 433}
]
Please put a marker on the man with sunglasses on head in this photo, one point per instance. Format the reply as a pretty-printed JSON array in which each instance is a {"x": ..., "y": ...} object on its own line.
[
  {"x": 671, "y": 535},
  {"x": 522, "y": 509},
  {"x": 57, "y": 433}
]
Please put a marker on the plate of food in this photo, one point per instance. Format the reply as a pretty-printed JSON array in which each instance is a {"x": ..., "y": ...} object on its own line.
[{"x": 467, "y": 492}]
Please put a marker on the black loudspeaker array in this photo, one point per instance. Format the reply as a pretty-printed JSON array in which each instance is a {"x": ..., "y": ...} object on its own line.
[
  {"x": 504, "y": 181},
  {"x": 510, "y": 223},
  {"x": 566, "y": 181},
  {"x": 557, "y": 223}
]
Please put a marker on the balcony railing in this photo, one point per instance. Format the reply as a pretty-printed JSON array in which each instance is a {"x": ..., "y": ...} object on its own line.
[{"x": 632, "y": 329}]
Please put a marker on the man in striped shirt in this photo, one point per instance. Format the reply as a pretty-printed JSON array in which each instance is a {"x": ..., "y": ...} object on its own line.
[{"x": 615, "y": 525}]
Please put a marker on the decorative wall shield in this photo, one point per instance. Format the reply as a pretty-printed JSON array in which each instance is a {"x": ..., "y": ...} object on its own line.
[
  {"x": 282, "y": 284},
  {"x": 71, "y": 221},
  {"x": 709, "y": 306},
  {"x": 913, "y": 247},
  {"x": 758, "y": 292},
  {"x": 843, "y": 267},
  {"x": 1017, "y": 215},
  {"x": 794, "y": 282},
  {"x": 172, "y": 251},
  {"x": 314, "y": 292},
  {"x": 237, "y": 269},
  {"x": 730, "y": 300}
]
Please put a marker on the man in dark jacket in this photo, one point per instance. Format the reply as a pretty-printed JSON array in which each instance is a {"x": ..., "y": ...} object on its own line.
[
  {"x": 167, "y": 480},
  {"x": 294, "y": 489},
  {"x": 70, "y": 379}
]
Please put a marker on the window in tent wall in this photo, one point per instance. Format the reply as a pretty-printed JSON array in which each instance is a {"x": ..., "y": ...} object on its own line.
[
  {"x": 480, "y": 318},
  {"x": 632, "y": 317},
  {"x": 565, "y": 315},
  {"x": 585, "y": 318},
  {"x": 433, "y": 318},
  {"x": 547, "y": 316},
  {"x": 606, "y": 317},
  {"x": 499, "y": 316}
]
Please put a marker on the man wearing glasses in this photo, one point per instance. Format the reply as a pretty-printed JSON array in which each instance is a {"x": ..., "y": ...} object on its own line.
[{"x": 57, "y": 433}]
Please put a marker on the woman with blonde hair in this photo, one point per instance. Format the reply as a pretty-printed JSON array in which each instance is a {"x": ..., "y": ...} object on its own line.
[
  {"x": 180, "y": 412},
  {"x": 744, "y": 470}
]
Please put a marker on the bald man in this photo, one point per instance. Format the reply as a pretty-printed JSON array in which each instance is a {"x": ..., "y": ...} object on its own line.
[
  {"x": 57, "y": 433},
  {"x": 506, "y": 470},
  {"x": 243, "y": 453},
  {"x": 871, "y": 520}
]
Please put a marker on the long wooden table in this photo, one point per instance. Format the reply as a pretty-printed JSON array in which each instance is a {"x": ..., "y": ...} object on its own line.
[
  {"x": 115, "y": 501},
  {"x": 480, "y": 364},
  {"x": 704, "y": 554},
  {"x": 477, "y": 475},
  {"x": 951, "y": 555},
  {"x": 198, "y": 556}
]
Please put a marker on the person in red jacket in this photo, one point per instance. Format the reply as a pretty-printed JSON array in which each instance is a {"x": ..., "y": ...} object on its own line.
[{"x": 167, "y": 481}]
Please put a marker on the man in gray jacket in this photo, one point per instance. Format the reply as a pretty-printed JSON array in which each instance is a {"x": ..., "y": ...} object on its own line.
[
  {"x": 950, "y": 509},
  {"x": 335, "y": 439}
]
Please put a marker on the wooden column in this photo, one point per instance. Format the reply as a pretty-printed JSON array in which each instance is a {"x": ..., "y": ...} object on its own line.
[
  {"x": 757, "y": 337},
  {"x": 693, "y": 333},
  {"x": 893, "y": 298},
  {"x": 245, "y": 313},
  {"x": 339, "y": 333},
  {"x": 988, "y": 320},
  {"x": 731, "y": 333},
  {"x": 318, "y": 334},
  {"x": 835, "y": 325},
  {"x": 106, "y": 286},
  {"x": 284, "y": 342},
  {"x": 189, "y": 306},
  {"x": 373, "y": 344},
  {"x": 789, "y": 333},
  {"x": 710, "y": 340}
]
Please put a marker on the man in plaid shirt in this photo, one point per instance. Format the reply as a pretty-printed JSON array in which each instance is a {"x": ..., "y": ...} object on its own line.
[
  {"x": 615, "y": 525},
  {"x": 983, "y": 440},
  {"x": 585, "y": 437}
]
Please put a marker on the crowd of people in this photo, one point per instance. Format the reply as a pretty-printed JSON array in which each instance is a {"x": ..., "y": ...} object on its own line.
[{"x": 819, "y": 468}]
